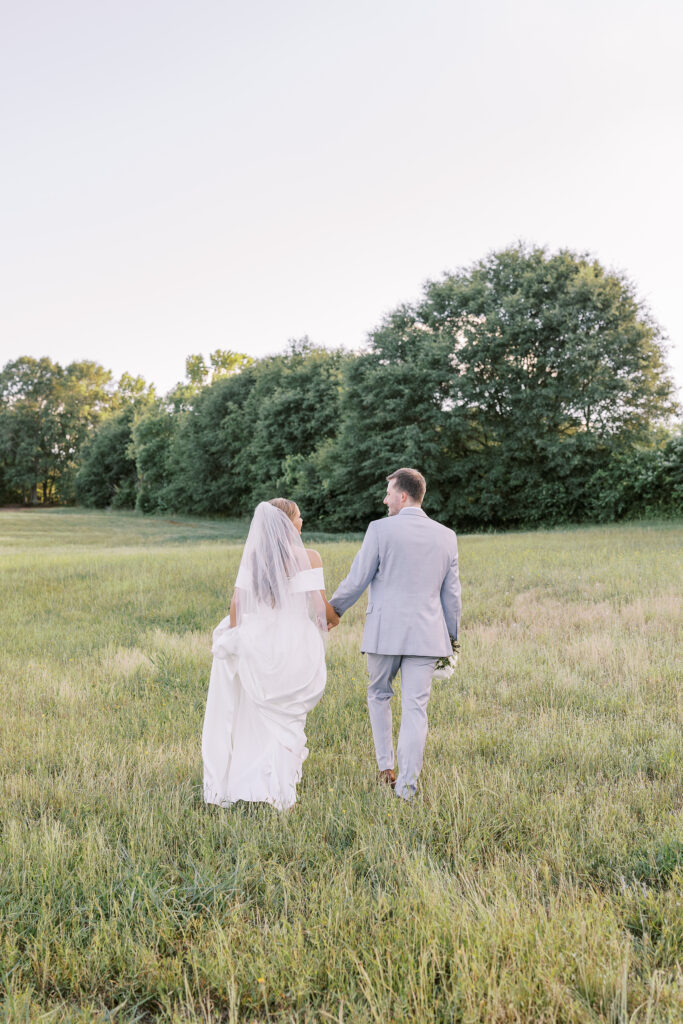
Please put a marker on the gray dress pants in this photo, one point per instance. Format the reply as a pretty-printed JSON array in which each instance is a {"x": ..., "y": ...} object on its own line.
[{"x": 416, "y": 685}]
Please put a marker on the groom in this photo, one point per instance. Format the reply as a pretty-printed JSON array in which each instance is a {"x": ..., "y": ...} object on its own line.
[{"x": 411, "y": 564}]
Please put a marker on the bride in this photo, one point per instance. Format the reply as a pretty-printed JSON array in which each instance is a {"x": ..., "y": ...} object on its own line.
[{"x": 268, "y": 665}]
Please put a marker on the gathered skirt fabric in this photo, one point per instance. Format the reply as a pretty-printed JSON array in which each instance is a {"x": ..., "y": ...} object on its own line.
[{"x": 267, "y": 674}]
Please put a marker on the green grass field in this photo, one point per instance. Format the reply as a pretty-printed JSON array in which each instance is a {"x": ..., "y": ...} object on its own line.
[{"x": 538, "y": 876}]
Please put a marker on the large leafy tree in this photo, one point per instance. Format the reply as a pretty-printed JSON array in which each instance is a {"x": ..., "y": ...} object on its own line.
[
  {"x": 511, "y": 384},
  {"x": 559, "y": 367},
  {"x": 46, "y": 413}
]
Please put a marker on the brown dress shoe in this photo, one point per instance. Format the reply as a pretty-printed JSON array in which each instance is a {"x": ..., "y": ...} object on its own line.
[{"x": 388, "y": 776}]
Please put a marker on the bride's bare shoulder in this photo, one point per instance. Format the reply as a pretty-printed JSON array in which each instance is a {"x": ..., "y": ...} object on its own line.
[{"x": 314, "y": 558}]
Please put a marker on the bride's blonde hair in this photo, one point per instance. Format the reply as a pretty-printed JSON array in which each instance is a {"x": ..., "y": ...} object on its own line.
[{"x": 285, "y": 505}]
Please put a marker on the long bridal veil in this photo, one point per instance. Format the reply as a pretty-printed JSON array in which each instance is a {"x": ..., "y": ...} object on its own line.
[{"x": 268, "y": 671}]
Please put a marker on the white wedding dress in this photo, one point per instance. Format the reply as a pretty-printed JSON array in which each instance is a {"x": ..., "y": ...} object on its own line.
[{"x": 268, "y": 672}]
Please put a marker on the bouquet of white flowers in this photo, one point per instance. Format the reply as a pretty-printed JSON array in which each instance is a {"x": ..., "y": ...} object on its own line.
[{"x": 445, "y": 667}]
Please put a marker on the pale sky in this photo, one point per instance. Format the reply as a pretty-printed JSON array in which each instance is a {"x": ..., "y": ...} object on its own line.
[{"x": 185, "y": 176}]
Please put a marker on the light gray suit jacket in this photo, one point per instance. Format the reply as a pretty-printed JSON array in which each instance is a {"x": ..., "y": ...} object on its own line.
[{"x": 411, "y": 564}]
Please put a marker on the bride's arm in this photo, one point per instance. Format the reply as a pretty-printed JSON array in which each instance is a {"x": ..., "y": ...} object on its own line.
[
  {"x": 233, "y": 612},
  {"x": 317, "y": 563}
]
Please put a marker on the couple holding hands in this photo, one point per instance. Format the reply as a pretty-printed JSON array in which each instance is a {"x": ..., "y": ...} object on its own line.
[{"x": 269, "y": 666}]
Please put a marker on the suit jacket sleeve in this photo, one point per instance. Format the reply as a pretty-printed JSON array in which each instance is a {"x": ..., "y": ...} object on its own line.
[
  {"x": 450, "y": 595},
  {"x": 361, "y": 573}
]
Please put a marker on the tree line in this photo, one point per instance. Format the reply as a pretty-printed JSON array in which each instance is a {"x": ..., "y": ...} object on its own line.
[{"x": 530, "y": 388}]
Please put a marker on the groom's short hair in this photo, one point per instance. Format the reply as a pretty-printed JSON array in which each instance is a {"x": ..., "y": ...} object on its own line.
[{"x": 411, "y": 481}]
